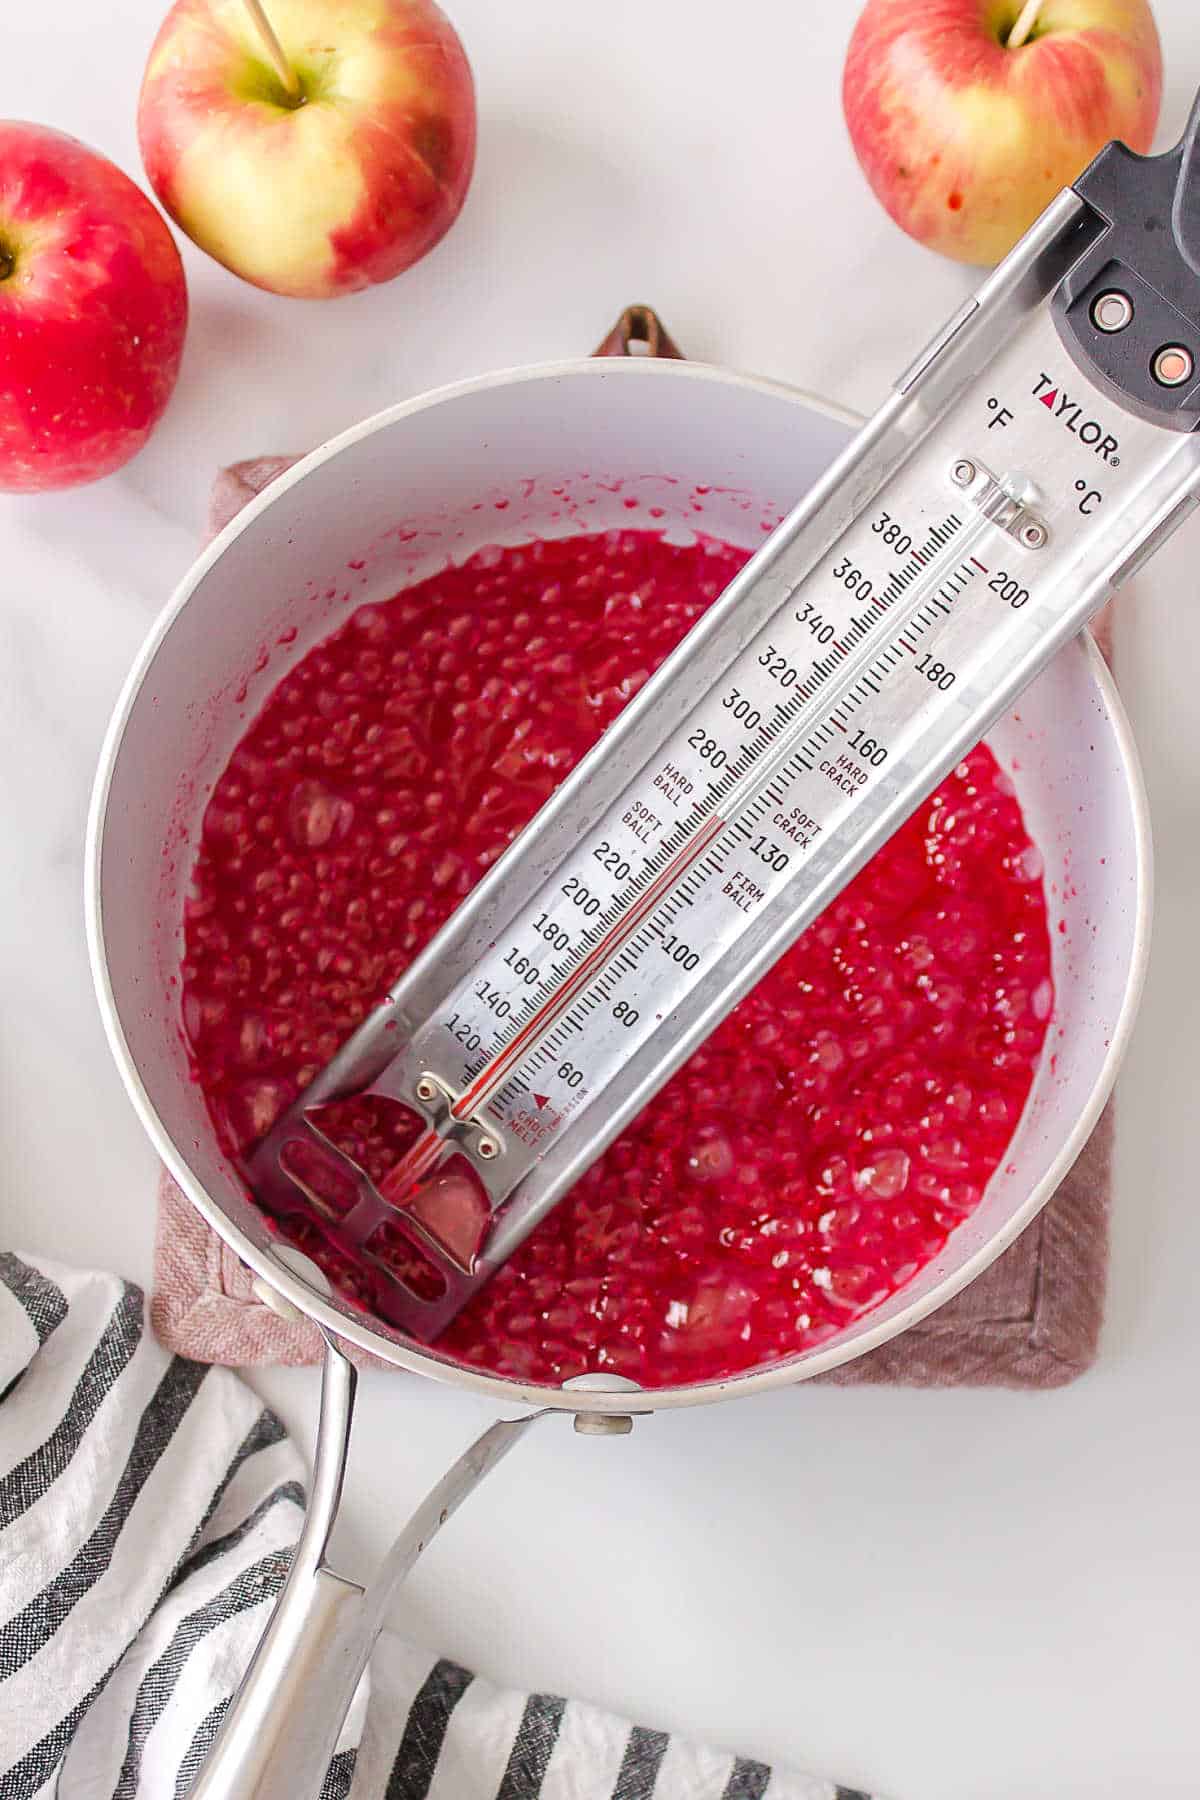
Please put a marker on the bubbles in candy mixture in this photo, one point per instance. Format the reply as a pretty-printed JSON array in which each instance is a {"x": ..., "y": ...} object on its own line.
[{"x": 806, "y": 1162}]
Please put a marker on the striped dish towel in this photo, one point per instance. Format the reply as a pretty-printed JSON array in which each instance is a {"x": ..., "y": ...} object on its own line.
[{"x": 148, "y": 1509}]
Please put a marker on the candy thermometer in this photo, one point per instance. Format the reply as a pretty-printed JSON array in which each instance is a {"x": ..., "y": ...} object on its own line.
[{"x": 1026, "y": 465}]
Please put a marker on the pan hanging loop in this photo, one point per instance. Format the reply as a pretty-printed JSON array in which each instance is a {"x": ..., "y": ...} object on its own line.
[{"x": 640, "y": 324}]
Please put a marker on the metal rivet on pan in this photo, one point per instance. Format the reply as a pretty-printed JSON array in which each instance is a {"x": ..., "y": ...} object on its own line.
[
  {"x": 487, "y": 1148},
  {"x": 1034, "y": 534},
  {"x": 1112, "y": 311},
  {"x": 1173, "y": 366},
  {"x": 425, "y": 1089},
  {"x": 269, "y": 1296},
  {"x": 612, "y": 1424},
  {"x": 963, "y": 473}
]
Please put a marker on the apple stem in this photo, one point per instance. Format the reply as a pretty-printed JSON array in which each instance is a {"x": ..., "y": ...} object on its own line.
[
  {"x": 274, "y": 50},
  {"x": 1026, "y": 20}
]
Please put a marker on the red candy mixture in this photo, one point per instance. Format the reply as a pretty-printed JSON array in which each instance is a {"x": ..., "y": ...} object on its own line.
[{"x": 805, "y": 1163}]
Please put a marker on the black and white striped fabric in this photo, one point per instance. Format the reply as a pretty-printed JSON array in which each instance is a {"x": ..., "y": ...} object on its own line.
[{"x": 148, "y": 1509}]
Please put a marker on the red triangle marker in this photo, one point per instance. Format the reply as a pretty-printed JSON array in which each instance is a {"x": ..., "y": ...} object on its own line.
[
  {"x": 542, "y": 1100},
  {"x": 1050, "y": 398}
]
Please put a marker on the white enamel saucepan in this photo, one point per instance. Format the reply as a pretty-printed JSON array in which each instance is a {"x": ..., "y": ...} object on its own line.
[{"x": 384, "y": 504}]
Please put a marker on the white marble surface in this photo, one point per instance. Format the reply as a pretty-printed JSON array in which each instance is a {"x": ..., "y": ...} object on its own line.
[{"x": 939, "y": 1595}]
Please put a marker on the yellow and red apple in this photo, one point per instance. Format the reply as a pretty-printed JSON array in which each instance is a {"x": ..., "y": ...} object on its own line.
[
  {"x": 345, "y": 181},
  {"x": 93, "y": 312},
  {"x": 968, "y": 116}
]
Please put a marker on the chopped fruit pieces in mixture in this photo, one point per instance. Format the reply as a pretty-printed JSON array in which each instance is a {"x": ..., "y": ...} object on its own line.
[{"x": 806, "y": 1162}]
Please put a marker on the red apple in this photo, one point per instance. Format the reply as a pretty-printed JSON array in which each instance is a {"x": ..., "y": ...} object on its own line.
[
  {"x": 346, "y": 181},
  {"x": 968, "y": 116},
  {"x": 93, "y": 310}
]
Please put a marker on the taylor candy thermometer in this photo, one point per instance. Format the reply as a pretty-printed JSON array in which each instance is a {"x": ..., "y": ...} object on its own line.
[{"x": 1027, "y": 464}]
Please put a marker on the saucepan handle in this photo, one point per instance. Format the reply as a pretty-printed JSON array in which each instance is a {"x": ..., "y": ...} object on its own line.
[{"x": 278, "y": 1738}]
